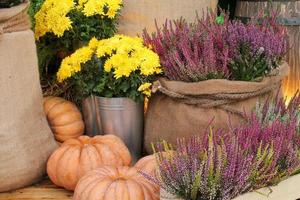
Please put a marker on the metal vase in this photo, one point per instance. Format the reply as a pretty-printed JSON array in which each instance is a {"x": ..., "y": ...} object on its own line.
[{"x": 122, "y": 117}]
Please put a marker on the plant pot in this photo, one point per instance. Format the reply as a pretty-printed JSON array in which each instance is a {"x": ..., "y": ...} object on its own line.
[
  {"x": 182, "y": 109},
  {"x": 119, "y": 116},
  {"x": 285, "y": 190}
]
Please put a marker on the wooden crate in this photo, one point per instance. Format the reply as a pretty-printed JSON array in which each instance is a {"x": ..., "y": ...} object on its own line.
[{"x": 42, "y": 191}]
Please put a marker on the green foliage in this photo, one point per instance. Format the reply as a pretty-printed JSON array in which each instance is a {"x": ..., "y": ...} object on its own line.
[
  {"x": 248, "y": 67},
  {"x": 92, "y": 79}
]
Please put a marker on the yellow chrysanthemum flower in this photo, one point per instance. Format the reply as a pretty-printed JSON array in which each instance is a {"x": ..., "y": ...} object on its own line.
[
  {"x": 113, "y": 7},
  {"x": 93, "y": 44},
  {"x": 99, "y": 7},
  {"x": 52, "y": 17},
  {"x": 72, "y": 64},
  {"x": 145, "y": 89}
]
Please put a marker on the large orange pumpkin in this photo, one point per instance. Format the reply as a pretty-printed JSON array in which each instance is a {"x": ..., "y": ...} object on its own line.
[
  {"x": 76, "y": 157},
  {"x": 147, "y": 165},
  {"x": 115, "y": 183},
  {"x": 64, "y": 118}
]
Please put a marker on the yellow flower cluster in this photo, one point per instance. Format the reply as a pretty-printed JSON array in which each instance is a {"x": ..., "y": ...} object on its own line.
[
  {"x": 93, "y": 7},
  {"x": 72, "y": 64},
  {"x": 124, "y": 55},
  {"x": 128, "y": 54},
  {"x": 145, "y": 89},
  {"x": 52, "y": 18}
]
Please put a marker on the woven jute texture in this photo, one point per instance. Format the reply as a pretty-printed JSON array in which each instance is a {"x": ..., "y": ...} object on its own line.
[
  {"x": 137, "y": 15},
  {"x": 26, "y": 140},
  {"x": 14, "y": 19},
  {"x": 180, "y": 109}
]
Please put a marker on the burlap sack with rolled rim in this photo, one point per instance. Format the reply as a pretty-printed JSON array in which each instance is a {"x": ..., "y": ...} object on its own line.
[
  {"x": 180, "y": 109},
  {"x": 26, "y": 140},
  {"x": 137, "y": 15}
]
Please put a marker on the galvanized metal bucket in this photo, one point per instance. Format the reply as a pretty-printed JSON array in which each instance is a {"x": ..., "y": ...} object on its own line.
[{"x": 119, "y": 116}]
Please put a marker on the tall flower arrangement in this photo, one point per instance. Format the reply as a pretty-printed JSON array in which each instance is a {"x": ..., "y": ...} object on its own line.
[
  {"x": 120, "y": 66},
  {"x": 61, "y": 27}
]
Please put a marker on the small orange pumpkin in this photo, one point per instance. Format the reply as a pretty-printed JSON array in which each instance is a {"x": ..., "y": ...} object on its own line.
[
  {"x": 115, "y": 183},
  {"x": 76, "y": 157},
  {"x": 64, "y": 118}
]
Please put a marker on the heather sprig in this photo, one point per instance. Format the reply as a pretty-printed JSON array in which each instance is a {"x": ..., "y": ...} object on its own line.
[{"x": 279, "y": 110}]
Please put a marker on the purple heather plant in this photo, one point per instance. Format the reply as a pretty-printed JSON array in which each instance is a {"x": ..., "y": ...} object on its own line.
[
  {"x": 256, "y": 47},
  {"x": 225, "y": 164},
  {"x": 210, "y": 49},
  {"x": 190, "y": 52},
  {"x": 280, "y": 110},
  {"x": 205, "y": 171}
]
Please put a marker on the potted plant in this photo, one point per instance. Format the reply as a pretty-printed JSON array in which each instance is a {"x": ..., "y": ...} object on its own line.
[
  {"x": 115, "y": 74},
  {"x": 214, "y": 69},
  {"x": 63, "y": 26},
  {"x": 228, "y": 164}
]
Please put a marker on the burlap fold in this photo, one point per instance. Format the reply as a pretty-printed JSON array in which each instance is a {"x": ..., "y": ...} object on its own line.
[
  {"x": 26, "y": 140},
  {"x": 14, "y": 19},
  {"x": 180, "y": 109}
]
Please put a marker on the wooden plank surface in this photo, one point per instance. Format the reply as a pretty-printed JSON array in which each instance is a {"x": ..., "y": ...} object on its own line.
[{"x": 42, "y": 191}]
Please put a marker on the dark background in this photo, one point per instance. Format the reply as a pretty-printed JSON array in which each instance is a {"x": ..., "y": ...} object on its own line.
[{"x": 228, "y": 4}]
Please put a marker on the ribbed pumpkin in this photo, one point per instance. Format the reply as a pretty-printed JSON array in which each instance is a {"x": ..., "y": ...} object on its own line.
[
  {"x": 147, "y": 165},
  {"x": 64, "y": 118},
  {"x": 115, "y": 183},
  {"x": 76, "y": 157}
]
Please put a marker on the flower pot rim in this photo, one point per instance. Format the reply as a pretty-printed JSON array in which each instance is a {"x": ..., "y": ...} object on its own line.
[
  {"x": 282, "y": 69},
  {"x": 101, "y": 97}
]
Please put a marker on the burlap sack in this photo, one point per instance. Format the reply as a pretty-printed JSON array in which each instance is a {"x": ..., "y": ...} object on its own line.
[
  {"x": 26, "y": 140},
  {"x": 182, "y": 109},
  {"x": 139, "y": 14}
]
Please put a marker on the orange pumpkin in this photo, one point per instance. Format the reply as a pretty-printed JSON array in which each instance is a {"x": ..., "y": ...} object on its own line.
[
  {"x": 76, "y": 157},
  {"x": 147, "y": 165},
  {"x": 64, "y": 118},
  {"x": 115, "y": 183}
]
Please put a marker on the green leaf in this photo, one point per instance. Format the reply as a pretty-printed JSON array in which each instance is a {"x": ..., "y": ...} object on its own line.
[{"x": 220, "y": 19}]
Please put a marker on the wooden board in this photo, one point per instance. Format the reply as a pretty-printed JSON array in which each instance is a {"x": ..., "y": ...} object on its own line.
[{"x": 42, "y": 191}]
